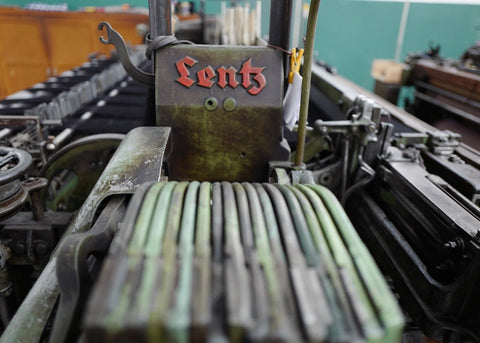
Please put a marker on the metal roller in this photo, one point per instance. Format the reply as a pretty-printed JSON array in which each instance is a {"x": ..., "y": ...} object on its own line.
[{"x": 235, "y": 262}]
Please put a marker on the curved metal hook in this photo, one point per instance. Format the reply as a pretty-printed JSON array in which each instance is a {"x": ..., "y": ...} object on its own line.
[
  {"x": 113, "y": 37},
  {"x": 108, "y": 29}
]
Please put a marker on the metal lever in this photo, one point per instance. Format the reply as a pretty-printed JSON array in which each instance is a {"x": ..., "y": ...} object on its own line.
[{"x": 113, "y": 37}]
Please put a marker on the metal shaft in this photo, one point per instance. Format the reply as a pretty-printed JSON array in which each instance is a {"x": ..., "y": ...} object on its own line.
[
  {"x": 160, "y": 18},
  {"x": 307, "y": 76},
  {"x": 280, "y": 15}
]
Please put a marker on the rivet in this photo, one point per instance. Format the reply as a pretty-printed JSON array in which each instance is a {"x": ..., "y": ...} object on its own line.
[{"x": 229, "y": 104}]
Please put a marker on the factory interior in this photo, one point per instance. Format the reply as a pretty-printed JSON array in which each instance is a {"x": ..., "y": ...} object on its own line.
[{"x": 239, "y": 171}]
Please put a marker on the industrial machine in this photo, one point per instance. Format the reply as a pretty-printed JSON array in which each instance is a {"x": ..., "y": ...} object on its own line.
[
  {"x": 445, "y": 91},
  {"x": 183, "y": 219}
]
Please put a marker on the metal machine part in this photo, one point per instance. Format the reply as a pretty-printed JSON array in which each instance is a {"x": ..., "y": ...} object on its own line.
[
  {"x": 440, "y": 157},
  {"x": 113, "y": 37},
  {"x": 213, "y": 94},
  {"x": 13, "y": 165},
  {"x": 137, "y": 160},
  {"x": 258, "y": 254},
  {"x": 50, "y": 115},
  {"x": 73, "y": 171},
  {"x": 426, "y": 235},
  {"x": 421, "y": 228},
  {"x": 239, "y": 261}
]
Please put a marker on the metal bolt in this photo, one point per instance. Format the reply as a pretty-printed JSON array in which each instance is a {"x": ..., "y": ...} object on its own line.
[
  {"x": 326, "y": 178},
  {"x": 451, "y": 245},
  {"x": 50, "y": 146},
  {"x": 322, "y": 130},
  {"x": 210, "y": 103},
  {"x": 229, "y": 104},
  {"x": 371, "y": 128}
]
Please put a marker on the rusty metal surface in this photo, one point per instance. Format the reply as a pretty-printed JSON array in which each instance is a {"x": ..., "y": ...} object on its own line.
[
  {"x": 223, "y": 128},
  {"x": 137, "y": 160}
]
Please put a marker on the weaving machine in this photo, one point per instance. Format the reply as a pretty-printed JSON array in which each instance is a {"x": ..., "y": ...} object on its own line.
[{"x": 197, "y": 227}]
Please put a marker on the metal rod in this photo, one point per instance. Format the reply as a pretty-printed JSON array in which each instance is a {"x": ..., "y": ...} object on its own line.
[
  {"x": 307, "y": 76},
  {"x": 160, "y": 18},
  {"x": 279, "y": 33},
  {"x": 296, "y": 25},
  {"x": 401, "y": 30}
]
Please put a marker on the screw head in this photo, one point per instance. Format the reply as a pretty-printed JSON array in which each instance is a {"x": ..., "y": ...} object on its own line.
[{"x": 229, "y": 104}]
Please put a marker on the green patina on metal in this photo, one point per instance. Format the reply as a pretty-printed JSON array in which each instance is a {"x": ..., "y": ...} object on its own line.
[
  {"x": 259, "y": 290},
  {"x": 85, "y": 160},
  {"x": 300, "y": 225},
  {"x": 279, "y": 320},
  {"x": 212, "y": 139},
  {"x": 178, "y": 319},
  {"x": 162, "y": 299},
  {"x": 201, "y": 307},
  {"x": 363, "y": 311},
  {"x": 144, "y": 219},
  {"x": 378, "y": 291},
  {"x": 64, "y": 194},
  {"x": 287, "y": 312},
  {"x": 342, "y": 321},
  {"x": 237, "y": 278},
  {"x": 115, "y": 320},
  {"x": 305, "y": 285},
  {"x": 154, "y": 244},
  {"x": 281, "y": 278}
]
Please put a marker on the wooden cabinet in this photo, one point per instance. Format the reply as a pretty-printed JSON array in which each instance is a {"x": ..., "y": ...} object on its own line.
[{"x": 36, "y": 45}]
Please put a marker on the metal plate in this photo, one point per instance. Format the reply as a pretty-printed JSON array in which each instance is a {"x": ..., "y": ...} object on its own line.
[{"x": 223, "y": 127}]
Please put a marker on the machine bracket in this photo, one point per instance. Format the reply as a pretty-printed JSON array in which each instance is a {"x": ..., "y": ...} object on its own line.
[{"x": 113, "y": 37}]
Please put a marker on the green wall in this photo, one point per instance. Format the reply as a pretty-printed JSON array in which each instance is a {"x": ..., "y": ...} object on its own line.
[{"x": 352, "y": 33}]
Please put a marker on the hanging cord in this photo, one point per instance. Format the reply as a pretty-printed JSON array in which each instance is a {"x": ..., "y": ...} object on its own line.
[
  {"x": 160, "y": 42},
  {"x": 279, "y": 48},
  {"x": 307, "y": 76}
]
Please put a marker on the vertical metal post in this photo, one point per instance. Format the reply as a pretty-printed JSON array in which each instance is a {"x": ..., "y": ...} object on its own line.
[
  {"x": 307, "y": 77},
  {"x": 401, "y": 30},
  {"x": 296, "y": 25},
  {"x": 280, "y": 16},
  {"x": 160, "y": 17}
]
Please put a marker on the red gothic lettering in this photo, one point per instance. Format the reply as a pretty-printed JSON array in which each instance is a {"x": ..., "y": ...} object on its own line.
[
  {"x": 222, "y": 77},
  {"x": 226, "y": 76},
  {"x": 204, "y": 76},
  {"x": 258, "y": 77},
  {"x": 184, "y": 73}
]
